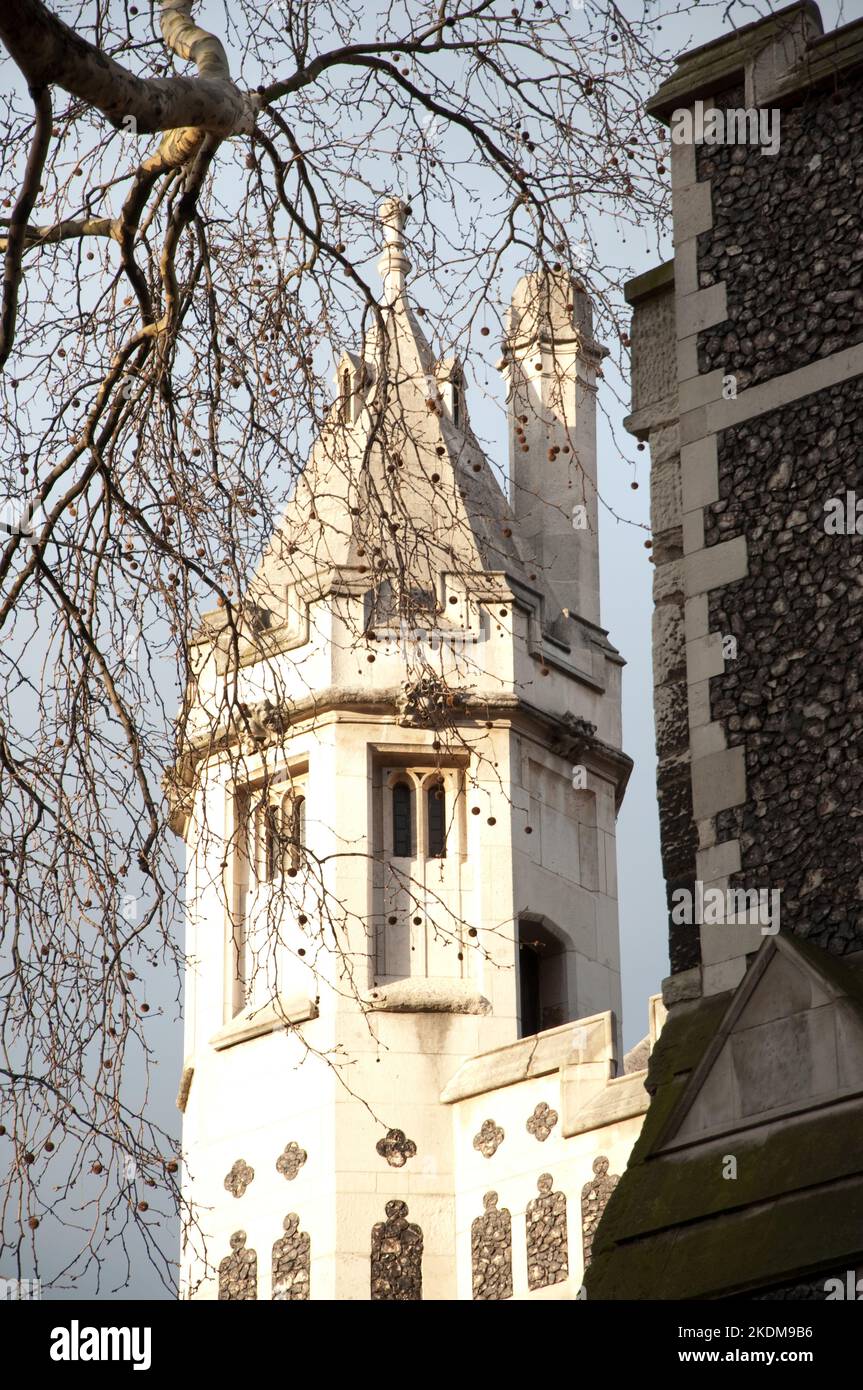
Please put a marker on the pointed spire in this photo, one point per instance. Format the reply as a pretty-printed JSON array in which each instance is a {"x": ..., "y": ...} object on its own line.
[{"x": 393, "y": 266}]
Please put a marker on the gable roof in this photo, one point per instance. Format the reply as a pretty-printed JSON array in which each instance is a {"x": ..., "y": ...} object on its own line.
[{"x": 677, "y": 1224}]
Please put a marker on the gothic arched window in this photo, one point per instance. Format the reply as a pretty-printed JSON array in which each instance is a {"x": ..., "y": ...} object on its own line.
[
  {"x": 267, "y": 841},
  {"x": 436, "y": 820},
  {"x": 401, "y": 820}
]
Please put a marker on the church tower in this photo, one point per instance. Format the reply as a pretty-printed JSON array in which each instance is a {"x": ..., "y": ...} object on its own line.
[{"x": 400, "y": 828}]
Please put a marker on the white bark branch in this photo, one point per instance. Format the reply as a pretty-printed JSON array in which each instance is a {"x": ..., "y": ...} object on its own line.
[
  {"x": 48, "y": 52},
  {"x": 67, "y": 230},
  {"x": 187, "y": 40}
]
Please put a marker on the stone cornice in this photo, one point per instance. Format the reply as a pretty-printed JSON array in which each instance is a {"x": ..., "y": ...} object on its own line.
[
  {"x": 799, "y": 56},
  {"x": 569, "y": 737},
  {"x": 701, "y": 72}
]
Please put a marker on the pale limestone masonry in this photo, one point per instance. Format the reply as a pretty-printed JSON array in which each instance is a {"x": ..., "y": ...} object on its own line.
[
  {"x": 416, "y": 1047},
  {"x": 654, "y": 419}
]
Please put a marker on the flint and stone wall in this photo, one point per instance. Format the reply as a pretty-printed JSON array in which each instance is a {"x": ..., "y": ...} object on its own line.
[{"x": 757, "y": 608}]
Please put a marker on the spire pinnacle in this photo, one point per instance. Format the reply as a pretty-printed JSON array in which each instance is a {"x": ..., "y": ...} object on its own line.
[{"x": 393, "y": 266}]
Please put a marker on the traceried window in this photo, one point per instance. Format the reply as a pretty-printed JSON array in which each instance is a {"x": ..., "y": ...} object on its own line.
[
  {"x": 238, "y": 970},
  {"x": 419, "y": 839},
  {"x": 278, "y": 827},
  {"x": 269, "y": 841},
  {"x": 417, "y": 806}
]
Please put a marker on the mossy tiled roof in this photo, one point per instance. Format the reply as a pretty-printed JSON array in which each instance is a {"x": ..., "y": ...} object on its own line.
[{"x": 676, "y": 1227}]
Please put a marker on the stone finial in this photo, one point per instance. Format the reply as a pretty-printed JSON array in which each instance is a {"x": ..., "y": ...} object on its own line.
[
  {"x": 394, "y": 214},
  {"x": 393, "y": 266},
  {"x": 552, "y": 306}
]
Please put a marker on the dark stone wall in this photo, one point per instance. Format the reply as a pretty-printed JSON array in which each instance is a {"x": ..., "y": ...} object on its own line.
[
  {"x": 810, "y": 1289},
  {"x": 793, "y": 696},
  {"x": 679, "y": 841},
  {"x": 678, "y": 837},
  {"x": 786, "y": 239}
]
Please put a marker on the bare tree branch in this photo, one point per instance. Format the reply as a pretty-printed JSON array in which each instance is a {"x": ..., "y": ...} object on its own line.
[
  {"x": 17, "y": 238},
  {"x": 49, "y": 53}
]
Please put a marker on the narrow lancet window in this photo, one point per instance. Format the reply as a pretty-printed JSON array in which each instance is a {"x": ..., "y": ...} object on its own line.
[
  {"x": 456, "y": 401},
  {"x": 295, "y": 819},
  {"x": 436, "y": 817},
  {"x": 402, "y": 820}
]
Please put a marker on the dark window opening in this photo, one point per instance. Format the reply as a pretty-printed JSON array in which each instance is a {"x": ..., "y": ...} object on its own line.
[
  {"x": 296, "y": 831},
  {"x": 244, "y": 857},
  {"x": 270, "y": 841},
  {"x": 529, "y": 998},
  {"x": 542, "y": 982},
  {"x": 436, "y": 811},
  {"x": 456, "y": 401},
  {"x": 402, "y": 820},
  {"x": 346, "y": 396}
]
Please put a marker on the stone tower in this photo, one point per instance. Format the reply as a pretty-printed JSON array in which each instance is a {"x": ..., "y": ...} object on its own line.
[
  {"x": 551, "y": 367},
  {"x": 400, "y": 823}
]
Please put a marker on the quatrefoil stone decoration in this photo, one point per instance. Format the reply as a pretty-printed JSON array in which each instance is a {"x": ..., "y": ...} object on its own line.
[
  {"x": 291, "y": 1160},
  {"x": 542, "y": 1122},
  {"x": 489, "y": 1139},
  {"x": 239, "y": 1178},
  {"x": 395, "y": 1148}
]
